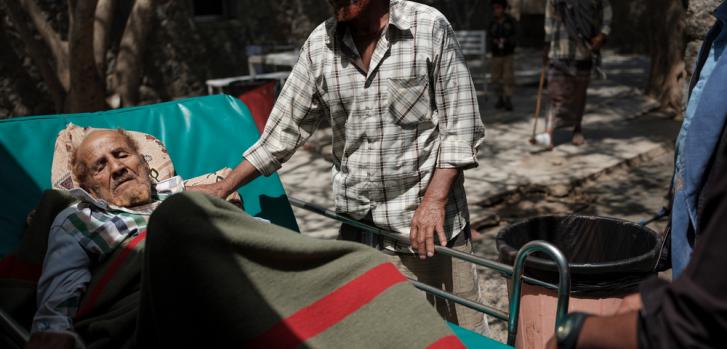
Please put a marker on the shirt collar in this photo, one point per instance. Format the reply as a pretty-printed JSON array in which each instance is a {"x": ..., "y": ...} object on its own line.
[
  {"x": 161, "y": 190},
  {"x": 396, "y": 18}
]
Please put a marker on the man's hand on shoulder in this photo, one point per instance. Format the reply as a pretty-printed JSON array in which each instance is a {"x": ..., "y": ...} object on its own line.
[
  {"x": 428, "y": 219},
  {"x": 51, "y": 340}
]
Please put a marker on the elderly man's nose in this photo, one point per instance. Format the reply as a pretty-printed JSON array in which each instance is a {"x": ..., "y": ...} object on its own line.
[{"x": 117, "y": 168}]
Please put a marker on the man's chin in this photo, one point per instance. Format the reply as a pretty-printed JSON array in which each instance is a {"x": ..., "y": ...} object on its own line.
[
  {"x": 132, "y": 198},
  {"x": 343, "y": 15}
]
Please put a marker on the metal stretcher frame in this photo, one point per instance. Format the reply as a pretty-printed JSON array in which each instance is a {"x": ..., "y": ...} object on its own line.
[{"x": 515, "y": 272}]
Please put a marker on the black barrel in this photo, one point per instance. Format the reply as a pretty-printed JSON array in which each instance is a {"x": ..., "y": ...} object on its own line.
[{"x": 606, "y": 256}]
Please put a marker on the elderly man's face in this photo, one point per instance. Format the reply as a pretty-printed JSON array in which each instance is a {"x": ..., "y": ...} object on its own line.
[
  {"x": 346, "y": 10},
  {"x": 114, "y": 170}
]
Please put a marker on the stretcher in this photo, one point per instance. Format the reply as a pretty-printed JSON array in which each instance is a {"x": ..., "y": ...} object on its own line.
[{"x": 203, "y": 134}]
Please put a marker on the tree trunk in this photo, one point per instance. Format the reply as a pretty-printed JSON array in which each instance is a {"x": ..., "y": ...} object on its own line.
[
  {"x": 129, "y": 63},
  {"x": 38, "y": 53},
  {"x": 667, "y": 42},
  {"x": 87, "y": 90},
  {"x": 58, "y": 48}
]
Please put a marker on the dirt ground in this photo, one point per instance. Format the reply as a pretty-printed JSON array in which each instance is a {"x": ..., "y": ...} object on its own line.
[{"x": 635, "y": 194}]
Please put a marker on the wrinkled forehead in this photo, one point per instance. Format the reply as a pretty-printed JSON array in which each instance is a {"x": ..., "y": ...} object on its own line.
[{"x": 98, "y": 144}]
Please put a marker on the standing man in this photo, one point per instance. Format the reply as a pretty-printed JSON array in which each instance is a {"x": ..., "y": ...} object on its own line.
[
  {"x": 502, "y": 33},
  {"x": 390, "y": 77},
  {"x": 575, "y": 30}
]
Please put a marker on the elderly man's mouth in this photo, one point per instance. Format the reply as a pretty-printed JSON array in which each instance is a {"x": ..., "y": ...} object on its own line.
[{"x": 122, "y": 183}]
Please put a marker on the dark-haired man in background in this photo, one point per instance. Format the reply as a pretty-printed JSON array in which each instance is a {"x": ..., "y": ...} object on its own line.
[
  {"x": 502, "y": 41},
  {"x": 575, "y": 31}
]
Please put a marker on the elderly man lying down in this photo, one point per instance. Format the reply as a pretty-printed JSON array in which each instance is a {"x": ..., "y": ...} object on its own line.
[{"x": 131, "y": 264}]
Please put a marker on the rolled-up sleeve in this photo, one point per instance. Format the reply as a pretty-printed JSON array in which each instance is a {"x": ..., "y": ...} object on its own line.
[
  {"x": 294, "y": 118},
  {"x": 457, "y": 111}
]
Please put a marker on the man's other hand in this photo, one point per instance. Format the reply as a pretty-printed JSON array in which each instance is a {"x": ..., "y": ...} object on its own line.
[
  {"x": 597, "y": 41},
  {"x": 51, "y": 340},
  {"x": 428, "y": 219}
]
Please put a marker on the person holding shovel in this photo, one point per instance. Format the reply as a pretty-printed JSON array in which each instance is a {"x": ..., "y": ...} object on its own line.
[{"x": 575, "y": 31}]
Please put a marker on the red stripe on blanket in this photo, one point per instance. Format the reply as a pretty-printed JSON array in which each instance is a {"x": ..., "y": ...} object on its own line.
[
  {"x": 93, "y": 294},
  {"x": 449, "y": 342},
  {"x": 13, "y": 268},
  {"x": 329, "y": 310}
]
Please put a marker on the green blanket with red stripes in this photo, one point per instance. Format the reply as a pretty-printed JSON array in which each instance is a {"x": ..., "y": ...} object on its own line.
[{"x": 205, "y": 274}]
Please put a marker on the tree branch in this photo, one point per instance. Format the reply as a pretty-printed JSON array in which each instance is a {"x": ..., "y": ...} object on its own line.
[
  {"x": 101, "y": 33},
  {"x": 58, "y": 48},
  {"x": 128, "y": 70},
  {"x": 38, "y": 52}
]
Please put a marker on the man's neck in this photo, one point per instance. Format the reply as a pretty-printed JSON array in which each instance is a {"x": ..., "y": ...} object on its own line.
[{"x": 374, "y": 18}]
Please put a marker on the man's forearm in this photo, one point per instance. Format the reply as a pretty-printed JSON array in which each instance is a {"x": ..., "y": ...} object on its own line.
[
  {"x": 241, "y": 175},
  {"x": 441, "y": 184},
  {"x": 429, "y": 217}
]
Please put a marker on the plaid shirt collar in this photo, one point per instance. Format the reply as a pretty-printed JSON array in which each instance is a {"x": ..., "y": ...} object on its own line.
[{"x": 160, "y": 191}]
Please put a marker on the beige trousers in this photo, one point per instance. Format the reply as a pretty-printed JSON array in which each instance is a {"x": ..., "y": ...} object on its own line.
[
  {"x": 502, "y": 75},
  {"x": 446, "y": 273}
]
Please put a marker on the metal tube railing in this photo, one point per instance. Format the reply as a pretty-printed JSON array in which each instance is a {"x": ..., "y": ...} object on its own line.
[
  {"x": 516, "y": 271},
  {"x": 519, "y": 267},
  {"x": 482, "y": 308},
  {"x": 399, "y": 239},
  {"x": 17, "y": 332}
]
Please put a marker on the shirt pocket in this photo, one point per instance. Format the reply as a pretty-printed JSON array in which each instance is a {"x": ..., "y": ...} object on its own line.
[{"x": 409, "y": 101}]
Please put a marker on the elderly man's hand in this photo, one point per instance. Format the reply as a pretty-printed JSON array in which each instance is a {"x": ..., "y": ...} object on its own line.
[
  {"x": 428, "y": 219},
  {"x": 50, "y": 340}
]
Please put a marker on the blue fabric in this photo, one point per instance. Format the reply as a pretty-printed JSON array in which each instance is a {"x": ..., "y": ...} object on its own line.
[{"x": 701, "y": 130}]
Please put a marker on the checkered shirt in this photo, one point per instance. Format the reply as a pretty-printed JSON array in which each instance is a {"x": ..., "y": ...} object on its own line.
[
  {"x": 414, "y": 110},
  {"x": 562, "y": 46},
  {"x": 85, "y": 233}
]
